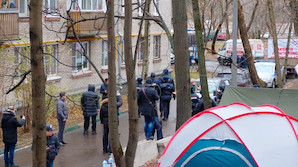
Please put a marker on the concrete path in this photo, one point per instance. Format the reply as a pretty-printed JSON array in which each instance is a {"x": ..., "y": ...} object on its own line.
[{"x": 83, "y": 151}]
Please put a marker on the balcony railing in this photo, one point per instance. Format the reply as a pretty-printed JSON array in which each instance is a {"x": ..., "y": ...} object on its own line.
[
  {"x": 88, "y": 28},
  {"x": 9, "y": 26}
]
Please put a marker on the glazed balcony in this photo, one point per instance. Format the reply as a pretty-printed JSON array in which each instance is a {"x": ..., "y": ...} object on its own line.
[{"x": 88, "y": 28}]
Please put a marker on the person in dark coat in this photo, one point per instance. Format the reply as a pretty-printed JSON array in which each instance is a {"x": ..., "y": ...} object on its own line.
[
  {"x": 62, "y": 116},
  {"x": 147, "y": 105},
  {"x": 53, "y": 145},
  {"x": 200, "y": 107},
  {"x": 90, "y": 107},
  {"x": 194, "y": 101},
  {"x": 167, "y": 89},
  {"x": 104, "y": 117},
  {"x": 104, "y": 89},
  {"x": 9, "y": 126},
  {"x": 139, "y": 85}
]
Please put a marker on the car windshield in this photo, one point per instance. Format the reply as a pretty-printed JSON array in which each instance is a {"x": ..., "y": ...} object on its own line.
[
  {"x": 212, "y": 85},
  {"x": 263, "y": 68},
  {"x": 240, "y": 77}
]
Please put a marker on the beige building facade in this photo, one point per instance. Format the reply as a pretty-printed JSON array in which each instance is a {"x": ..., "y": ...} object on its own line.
[{"x": 66, "y": 66}]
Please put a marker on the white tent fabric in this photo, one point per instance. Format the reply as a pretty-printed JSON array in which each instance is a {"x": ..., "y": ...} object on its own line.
[{"x": 269, "y": 135}]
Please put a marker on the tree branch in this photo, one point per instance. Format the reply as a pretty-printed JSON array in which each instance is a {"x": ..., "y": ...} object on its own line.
[{"x": 21, "y": 81}]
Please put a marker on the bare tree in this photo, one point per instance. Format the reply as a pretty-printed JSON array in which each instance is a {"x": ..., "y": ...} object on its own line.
[
  {"x": 38, "y": 84},
  {"x": 131, "y": 86},
  {"x": 275, "y": 44},
  {"x": 201, "y": 54},
  {"x": 294, "y": 6},
  {"x": 249, "y": 57},
  {"x": 181, "y": 62},
  {"x": 112, "y": 107},
  {"x": 146, "y": 41}
]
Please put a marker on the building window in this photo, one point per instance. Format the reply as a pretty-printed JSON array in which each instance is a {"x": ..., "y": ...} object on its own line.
[
  {"x": 120, "y": 49},
  {"x": 79, "y": 61},
  {"x": 51, "y": 6},
  {"x": 156, "y": 47},
  {"x": 50, "y": 59},
  {"x": 155, "y": 13},
  {"x": 23, "y": 8},
  {"x": 87, "y": 5},
  {"x": 22, "y": 61},
  {"x": 141, "y": 7},
  {"x": 122, "y": 8},
  {"x": 105, "y": 53},
  {"x": 141, "y": 49}
]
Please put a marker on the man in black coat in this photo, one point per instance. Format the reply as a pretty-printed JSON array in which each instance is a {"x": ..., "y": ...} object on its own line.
[
  {"x": 53, "y": 145},
  {"x": 167, "y": 89},
  {"x": 62, "y": 116},
  {"x": 90, "y": 107},
  {"x": 9, "y": 126},
  {"x": 104, "y": 89},
  {"x": 147, "y": 97},
  {"x": 104, "y": 117}
]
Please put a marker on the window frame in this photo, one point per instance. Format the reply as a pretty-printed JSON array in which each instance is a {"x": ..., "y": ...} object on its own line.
[
  {"x": 18, "y": 51},
  {"x": 105, "y": 54},
  {"x": 79, "y": 6},
  {"x": 75, "y": 52},
  {"x": 48, "y": 7},
  {"x": 156, "y": 46},
  {"x": 141, "y": 49},
  {"x": 141, "y": 4},
  {"x": 55, "y": 54},
  {"x": 157, "y": 2},
  {"x": 25, "y": 14}
]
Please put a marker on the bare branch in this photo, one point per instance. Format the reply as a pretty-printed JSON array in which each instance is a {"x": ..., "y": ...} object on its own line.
[{"x": 21, "y": 81}]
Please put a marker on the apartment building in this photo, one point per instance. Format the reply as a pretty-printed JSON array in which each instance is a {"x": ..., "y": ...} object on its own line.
[{"x": 66, "y": 66}]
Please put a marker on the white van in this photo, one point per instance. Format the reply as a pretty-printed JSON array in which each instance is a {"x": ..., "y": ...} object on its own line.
[{"x": 224, "y": 54}]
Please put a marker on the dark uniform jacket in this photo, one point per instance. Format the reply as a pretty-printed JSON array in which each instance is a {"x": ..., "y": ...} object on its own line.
[
  {"x": 147, "y": 107},
  {"x": 89, "y": 102},
  {"x": 9, "y": 126},
  {"x": 103, "y": 89}
]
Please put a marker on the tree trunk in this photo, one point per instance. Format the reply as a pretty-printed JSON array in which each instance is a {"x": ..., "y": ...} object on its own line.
[
  {"x": 227, "y": 24},
  {"x": 253, "y": 15},
  {"x": 38, "y": 85},
  {"x": 224, "y": 15},
  {"x": 181, "y": 62},
  {"x": 113, "y": 121},
  {"x": 275, "y": 44},
  {"x": 249, "y": 57},
  {"x": 201, "y": 54},
  {"x": 146, "y": 41},
  {"x": 131, "y": 86},
  {"x": 294, "y": 6}
]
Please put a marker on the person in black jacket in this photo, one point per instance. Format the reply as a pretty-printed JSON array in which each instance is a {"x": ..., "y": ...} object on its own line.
[
  {"x": 147, "y": 97},
  {"x": 90, "y": 107},
  {"x": 62, "y": 116},
  {"x": 167, "y": 89},
  {"x": 104, "y": 117},
  {"x": 104, "y": 89},
  {"x": 9, "y": 126},
  {"x": 52, "y": 146}
]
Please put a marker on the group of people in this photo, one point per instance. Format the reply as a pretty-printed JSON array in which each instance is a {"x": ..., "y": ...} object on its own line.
[{"x": 154, "y": 89}]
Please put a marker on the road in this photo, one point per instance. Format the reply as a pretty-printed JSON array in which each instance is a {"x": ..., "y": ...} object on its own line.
[{"x": 83, "y": 151}]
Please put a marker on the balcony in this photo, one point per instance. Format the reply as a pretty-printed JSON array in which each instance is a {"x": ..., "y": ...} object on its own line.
[
  {"x": 9, "y": 26},
  {"x": 88, "y": 28}
]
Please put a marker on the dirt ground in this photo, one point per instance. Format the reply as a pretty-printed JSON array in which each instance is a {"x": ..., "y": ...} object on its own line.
[{"x": 292, "y": 85}]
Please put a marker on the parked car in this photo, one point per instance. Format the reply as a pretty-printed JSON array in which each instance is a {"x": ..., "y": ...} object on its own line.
[
  {"x": 213, "y": 86},
  {"x": 266, "y": 72},
  {"x": 221, "y": 36},
  {"x": 243, "y": 78}
]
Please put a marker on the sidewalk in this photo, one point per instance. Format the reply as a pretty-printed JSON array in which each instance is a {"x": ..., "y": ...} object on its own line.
[{"x": 87, "y": 150}]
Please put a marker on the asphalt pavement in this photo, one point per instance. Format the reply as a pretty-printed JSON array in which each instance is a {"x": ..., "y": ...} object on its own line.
[{"x": 83, "y": 151}]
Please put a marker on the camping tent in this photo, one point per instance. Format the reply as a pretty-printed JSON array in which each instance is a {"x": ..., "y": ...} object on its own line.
[
  {"x": 235, "y": 135},
  {"x": 285, "y": 99}
]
